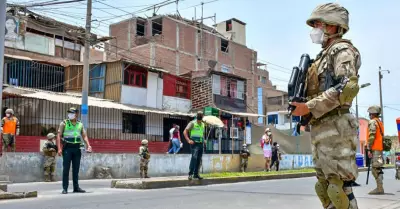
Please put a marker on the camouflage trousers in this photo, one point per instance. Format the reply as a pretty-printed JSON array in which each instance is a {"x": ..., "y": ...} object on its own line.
[
  {"x": 8, "y": 141},
  {"x": 49, "y": 168},
  {"x": 334, "y": 151},
  {"x": 376, "y": 165},
  {"x": 243, "y": 164},
  {"x": 144, "y": 165}
]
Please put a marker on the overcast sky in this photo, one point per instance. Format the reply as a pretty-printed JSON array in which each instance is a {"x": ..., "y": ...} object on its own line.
[{"x": 278, "y": 31}]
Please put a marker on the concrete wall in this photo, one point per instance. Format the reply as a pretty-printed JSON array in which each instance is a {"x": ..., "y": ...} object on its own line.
[{"x": 28, "y": 167}]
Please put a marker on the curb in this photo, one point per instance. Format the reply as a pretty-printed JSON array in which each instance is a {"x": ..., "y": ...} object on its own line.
[
  {"x": 183, "y": 182},
  {"x": 17, "y": 195}
]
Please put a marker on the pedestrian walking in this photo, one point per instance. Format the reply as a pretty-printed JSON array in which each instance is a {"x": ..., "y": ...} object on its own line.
[
  {"x": 276, "y": 156},
  {"x": 194, "y": 135},
  {"x": 331, "y": 86},
  {"x": 176, "y": 141},
  {"x": 266, "y": 145},
  {"x": 71, "y": 134}
]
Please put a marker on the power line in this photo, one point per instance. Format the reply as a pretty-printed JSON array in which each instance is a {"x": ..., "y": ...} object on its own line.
[{"x": 53, "y": 2}]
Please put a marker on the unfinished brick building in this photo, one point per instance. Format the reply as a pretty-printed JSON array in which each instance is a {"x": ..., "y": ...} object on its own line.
[{"x": 180, "y": 46}]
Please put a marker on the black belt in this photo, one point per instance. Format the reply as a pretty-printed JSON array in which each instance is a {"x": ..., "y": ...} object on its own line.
[{"x": 330, "y": 114}]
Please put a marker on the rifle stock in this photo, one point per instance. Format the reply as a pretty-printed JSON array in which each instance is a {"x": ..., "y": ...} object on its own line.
[{"x": 297, "y": 89}]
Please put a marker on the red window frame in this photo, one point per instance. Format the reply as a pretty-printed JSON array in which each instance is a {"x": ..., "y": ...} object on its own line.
[
  {"x": 182, "y": 88},
  {"x": 137, "y": 74}
]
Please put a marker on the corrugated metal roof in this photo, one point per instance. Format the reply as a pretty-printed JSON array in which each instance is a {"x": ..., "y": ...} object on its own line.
[
  {"x": 241, "y": 113},
  {"x": 76, "y": 99},
  {"x": 130, "y": 62}
]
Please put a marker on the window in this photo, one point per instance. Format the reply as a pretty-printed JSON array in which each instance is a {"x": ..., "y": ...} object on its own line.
[
  {"x": 182, "y": 89},
  {"x": 232, "y": 89},
  {"x": 96, "y": 75},
  {"x": 263, "y": 79},
  {"x": 134, "y": 77},
  {"x": 228, "y": 25},
  {"x": 273, "y": 119},
  {"x": 156, "y": 26},
  {"x": 240, "y": 90},
  {"x": 224, "y": 45},
  {"x": 275, "y": 100},
  {"x": 140, "y": 27},
  {"x": 133, "y": 123},
  {"x": 224, "y": 86},
  {"x": 216, "y": 88}
]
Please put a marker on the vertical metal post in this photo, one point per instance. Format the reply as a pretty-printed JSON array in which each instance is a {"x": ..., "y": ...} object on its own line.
[
  {"x": 380, "y": 93},
  {"x": 85, "y": 83},
  {"x": 3, "y": 6},
  {"x": 358, "y": 128}
]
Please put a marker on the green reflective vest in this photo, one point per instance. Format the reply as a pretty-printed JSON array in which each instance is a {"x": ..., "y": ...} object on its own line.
[
  {"x": 197, "y": 132},
  {"x": 72, "y": 133}
]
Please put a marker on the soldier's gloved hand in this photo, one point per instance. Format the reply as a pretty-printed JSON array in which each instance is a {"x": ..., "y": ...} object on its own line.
[{"x": 349, "y": 91}]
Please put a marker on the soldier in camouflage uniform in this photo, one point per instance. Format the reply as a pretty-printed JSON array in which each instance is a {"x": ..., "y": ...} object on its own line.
[
  {"x": 333, "y": 128},
  {"x": 50, "y": 151},
  {"x": 244, "y": 158},
  {"x": 144, "y": 159},
  {"x": 375, "y": 147},
  {"x": 9, "y": 129}
]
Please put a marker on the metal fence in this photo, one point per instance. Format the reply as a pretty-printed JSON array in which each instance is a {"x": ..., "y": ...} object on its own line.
[
  {"x": 32, "y": 74},
  {"x": 39, "y": 117}
]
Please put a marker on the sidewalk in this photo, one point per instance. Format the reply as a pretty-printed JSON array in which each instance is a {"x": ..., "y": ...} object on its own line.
[{"x": 182, "y": 181}]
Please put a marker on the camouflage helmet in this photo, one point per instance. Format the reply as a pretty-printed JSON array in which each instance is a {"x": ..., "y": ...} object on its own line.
[
  {"x": 375, "y": 109},
  {"x": 10, "y": 111},
  {"x": 332, "y": 14},
  {"x": 145, "y": 142},
  {"x": 51, "y": 136}
]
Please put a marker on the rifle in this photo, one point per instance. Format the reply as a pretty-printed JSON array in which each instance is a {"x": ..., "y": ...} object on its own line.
[
  {"x": 368, "y": 162},
  {"x": 49, "y": 146},
  {"x": 297, "y": 90}
]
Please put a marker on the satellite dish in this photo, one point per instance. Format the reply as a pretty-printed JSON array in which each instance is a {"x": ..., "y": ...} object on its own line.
[{"x": 212, "y": 64}]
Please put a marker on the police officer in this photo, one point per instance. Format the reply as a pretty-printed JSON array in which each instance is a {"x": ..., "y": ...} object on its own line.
[
  {"x": 196, "y": 129},
  {"x": 72, "y": 133},
  {"x": 331, "y": 86},
  {"x": 9, "y": 129},
  {"x": 375, "y": 147}
]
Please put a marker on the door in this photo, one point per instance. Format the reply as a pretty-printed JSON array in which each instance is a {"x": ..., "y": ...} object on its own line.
[{"x": 182, "y": 123}]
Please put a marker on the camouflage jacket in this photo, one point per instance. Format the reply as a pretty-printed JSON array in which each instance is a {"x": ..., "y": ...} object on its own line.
[
  {"x": 144, "y": 152},
  {"x": 338, "y": 60},
  {"x": 49, "y": 148}
]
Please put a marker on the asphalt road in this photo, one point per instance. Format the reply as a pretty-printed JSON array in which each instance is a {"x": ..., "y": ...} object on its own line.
[{"x": 282, "y": 194}]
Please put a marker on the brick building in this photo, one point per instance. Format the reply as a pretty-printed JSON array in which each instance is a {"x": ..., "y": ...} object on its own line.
[{"x": 180, "y": 46}]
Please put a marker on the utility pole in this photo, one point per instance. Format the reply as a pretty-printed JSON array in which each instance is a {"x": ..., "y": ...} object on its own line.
[
  {"x": 3, "y": 8},
  {"x": 85, "y": 83},
  {"x": 358, "y": 136},
  {"x": 380, "y": 90}
]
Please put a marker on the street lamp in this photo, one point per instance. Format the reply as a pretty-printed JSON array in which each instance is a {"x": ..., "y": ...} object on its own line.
[
  {"x": 380, "y": 90},
  {"x": 358, "y": 136}
]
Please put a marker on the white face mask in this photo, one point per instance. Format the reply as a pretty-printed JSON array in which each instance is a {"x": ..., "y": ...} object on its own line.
[
  {"x": 8, "y": 115},
  {"x": 71, "y": 116},
  {"x": 317, "y": 35}
]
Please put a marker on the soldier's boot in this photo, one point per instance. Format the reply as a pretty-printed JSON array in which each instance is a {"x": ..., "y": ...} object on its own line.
[
  {"x": 379, "y": 183},
  {"x": 321, "y": 188},
  {"x": 336, "y": 193},
  {"x": 349, "y": 192},
  {"x": 47, "y": 178},
  {"x": 145, "y": 174}
]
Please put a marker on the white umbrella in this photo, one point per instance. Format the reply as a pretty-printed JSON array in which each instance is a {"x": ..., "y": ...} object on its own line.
[{"x": 214, "y": 121}]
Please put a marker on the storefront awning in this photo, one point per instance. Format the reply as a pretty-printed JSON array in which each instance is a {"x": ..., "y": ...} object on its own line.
[{"x": 245, "y": 114}]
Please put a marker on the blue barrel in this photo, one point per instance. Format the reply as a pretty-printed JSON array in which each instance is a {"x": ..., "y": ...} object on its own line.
[{"x": 360, "y": 160}]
